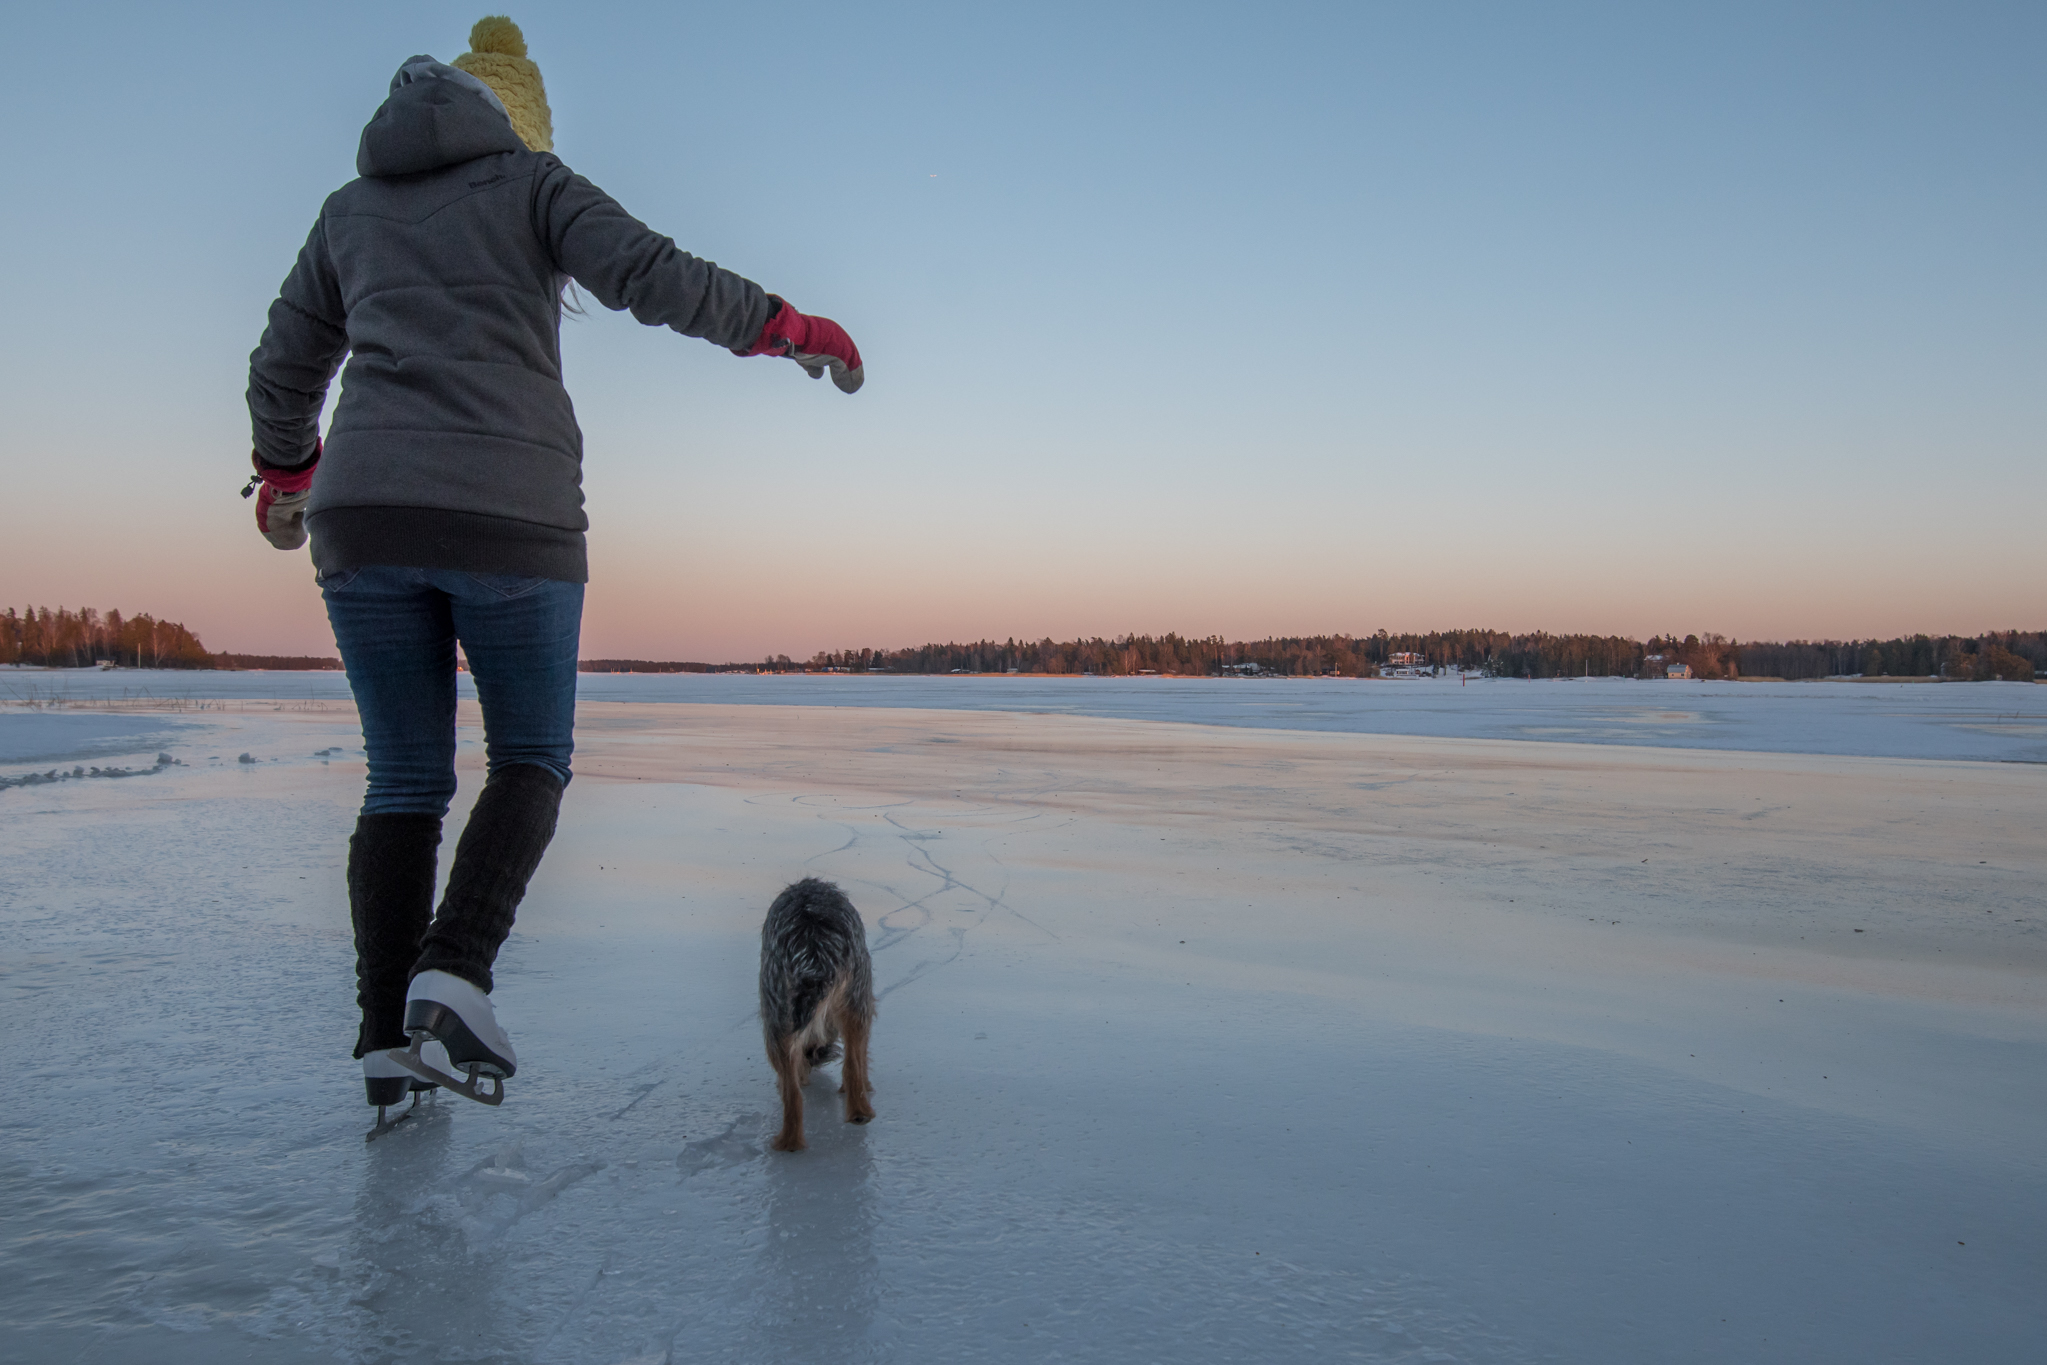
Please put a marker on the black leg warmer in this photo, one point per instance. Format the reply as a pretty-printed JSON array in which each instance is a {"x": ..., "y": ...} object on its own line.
[
  {"x": 390, "y": 899},
  {"x": 508, "y": 831}
]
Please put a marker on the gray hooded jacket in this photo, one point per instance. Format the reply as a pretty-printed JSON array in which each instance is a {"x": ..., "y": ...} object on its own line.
[{"x": 439, "y": 274}]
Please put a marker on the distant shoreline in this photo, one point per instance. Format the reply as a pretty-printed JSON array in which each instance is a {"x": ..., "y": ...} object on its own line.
[
  {"x": 741, "y": 670},
  {"x": 87, "y": 638}
]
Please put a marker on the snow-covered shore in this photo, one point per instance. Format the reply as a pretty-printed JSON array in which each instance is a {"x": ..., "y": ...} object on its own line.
[{"x": 1197, "y": 1043}]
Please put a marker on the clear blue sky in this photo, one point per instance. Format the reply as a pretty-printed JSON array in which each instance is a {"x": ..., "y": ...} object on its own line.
[{"x": 1178, "y": 317}]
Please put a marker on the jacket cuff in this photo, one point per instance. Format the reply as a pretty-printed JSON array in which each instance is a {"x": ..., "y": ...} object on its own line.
[
  {"x": 287, "y": 478},
  {"x": 780, "y": 321}
]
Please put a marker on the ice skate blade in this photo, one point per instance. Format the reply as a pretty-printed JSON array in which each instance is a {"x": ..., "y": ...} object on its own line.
[
  {"x": 385, "y": 1125},
  {"x": 470, "y": 1089}
]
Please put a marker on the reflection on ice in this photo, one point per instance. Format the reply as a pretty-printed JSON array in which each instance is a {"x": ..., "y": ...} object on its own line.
[
  {"x": 734, "y": 1145},
  {"x": 822, "y": 1280},
  {"x": 411, "y": 1283}
]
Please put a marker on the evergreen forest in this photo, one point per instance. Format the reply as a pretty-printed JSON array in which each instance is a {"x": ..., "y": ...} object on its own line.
[
  {"x": 2007, "y": 654},
  {"x": 84, "y": 638}
]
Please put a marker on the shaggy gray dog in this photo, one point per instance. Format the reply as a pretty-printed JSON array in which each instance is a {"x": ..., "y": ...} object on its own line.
[{"x": 817, "y": 986}]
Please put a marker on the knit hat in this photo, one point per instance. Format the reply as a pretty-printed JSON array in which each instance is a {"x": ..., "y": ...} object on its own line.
[{"x": 497, "y": 57}]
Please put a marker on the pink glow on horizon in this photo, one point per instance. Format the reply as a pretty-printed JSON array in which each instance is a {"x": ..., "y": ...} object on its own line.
[{"x": 719, "y": 604}]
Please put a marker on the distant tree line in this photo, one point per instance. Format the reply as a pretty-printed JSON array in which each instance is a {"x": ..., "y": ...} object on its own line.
[
  {"x": 81, "y": 639},
  {"x": 278, "y": 663},
  {"x": 67, "y": 639},
  {"x": 2016, "y": 655},
  {"x": 2006, "y": 654},
  {"x": 654, "y": 666}
]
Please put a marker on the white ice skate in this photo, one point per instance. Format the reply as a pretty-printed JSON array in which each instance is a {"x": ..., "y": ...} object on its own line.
[
  {"x": 445, "y": 1009},
  {"x": 386, "y": 1083}
]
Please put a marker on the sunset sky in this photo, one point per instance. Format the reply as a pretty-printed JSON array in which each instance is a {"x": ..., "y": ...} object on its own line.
[{"x": 1235, "y": 319}]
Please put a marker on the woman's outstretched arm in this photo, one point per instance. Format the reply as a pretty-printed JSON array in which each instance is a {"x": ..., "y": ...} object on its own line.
[{"x": 626, "y": 264}]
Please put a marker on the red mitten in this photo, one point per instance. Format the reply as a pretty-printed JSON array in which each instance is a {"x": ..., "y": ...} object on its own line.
[
  {"x": 281, "y": 503},
  {"x": 817, "y": 344}
]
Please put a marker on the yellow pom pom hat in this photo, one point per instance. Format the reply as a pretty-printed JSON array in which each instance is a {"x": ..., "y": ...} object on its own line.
[{"x": 497, "y": 57}]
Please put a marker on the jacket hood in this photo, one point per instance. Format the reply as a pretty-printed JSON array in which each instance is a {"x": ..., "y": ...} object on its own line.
[{"x": 436, "y": 116}]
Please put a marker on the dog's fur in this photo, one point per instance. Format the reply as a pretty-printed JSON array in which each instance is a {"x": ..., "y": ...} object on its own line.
[{"x": 817, "y": 987}]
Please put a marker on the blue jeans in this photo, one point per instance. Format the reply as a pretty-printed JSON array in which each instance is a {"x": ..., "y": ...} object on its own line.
[{"x": 397, "y": 630}]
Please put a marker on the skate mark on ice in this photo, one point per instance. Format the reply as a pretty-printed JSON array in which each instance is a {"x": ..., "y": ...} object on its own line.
[
  {"x": 926, "y": 967},
  {"x": 893, "y": 932},
  {"x": 903, "y": 831},
  {"x": 917, "y": 913},
  {"x": 852, "y": 832},
  {"x": 852, "y": 838},
  {"x": 808, "y": 797},
  {"x": 569, "y": 1314},
  {"x": 722, "y": 1151},
  {"x": 921, "y": 860},
  {"x": 649, "y": 1088}
]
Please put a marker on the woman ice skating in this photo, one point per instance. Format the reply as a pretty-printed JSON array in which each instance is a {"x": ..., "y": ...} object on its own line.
[{"x": 447, "y": 507}]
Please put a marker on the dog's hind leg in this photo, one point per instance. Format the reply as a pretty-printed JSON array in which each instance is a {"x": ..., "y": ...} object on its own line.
[
  {"x": 853, "y": 1082},
  {"x": 787, "y": 1058}
]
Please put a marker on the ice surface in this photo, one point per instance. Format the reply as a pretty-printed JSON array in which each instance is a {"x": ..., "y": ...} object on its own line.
[
  {"x": 1998, "y": 721},
  {"x": 168, "y": 689},
  {"x": 29, "y": 737},
  {"x": 1196, "y": 1044},
  {"x": 1989, "y": 721}
]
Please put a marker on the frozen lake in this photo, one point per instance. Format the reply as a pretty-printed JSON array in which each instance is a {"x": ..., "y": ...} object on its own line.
[
  {"x": 1988, "y": 721},
  {"x": 1199, "y": 1043}
]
